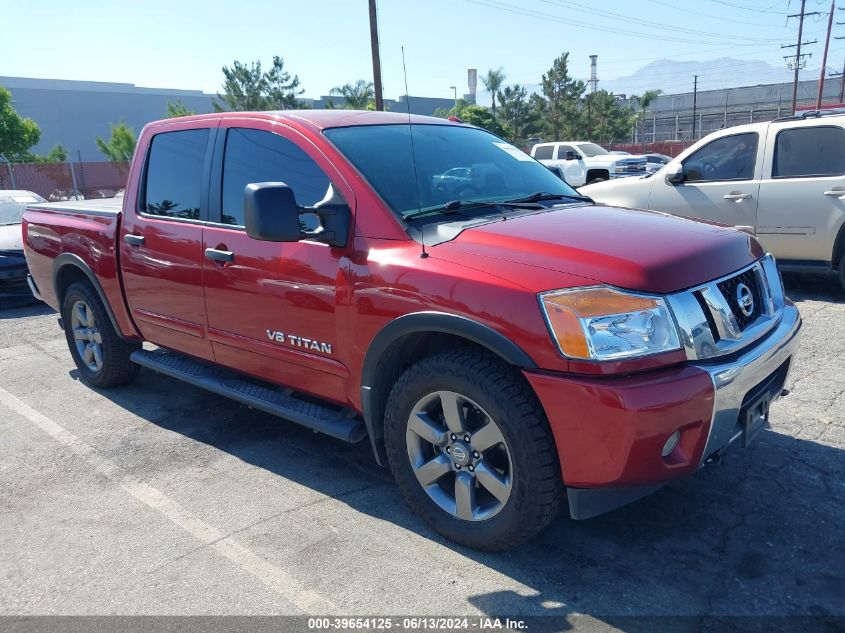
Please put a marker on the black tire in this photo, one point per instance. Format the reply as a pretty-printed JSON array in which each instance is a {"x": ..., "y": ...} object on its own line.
[
  {"x": 504, "y": 395},
  {"x": 116, "y": 368},
  {"x": 595, "y": 180}
]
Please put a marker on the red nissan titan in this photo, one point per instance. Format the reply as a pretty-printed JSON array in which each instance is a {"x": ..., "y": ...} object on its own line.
[{"x": 505, "y": 344}]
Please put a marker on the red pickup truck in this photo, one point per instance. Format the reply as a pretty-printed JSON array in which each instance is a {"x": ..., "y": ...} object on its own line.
[{"x": 504, "y": 343}]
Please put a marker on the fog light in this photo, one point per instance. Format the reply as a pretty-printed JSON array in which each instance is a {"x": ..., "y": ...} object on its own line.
[{"x": 671, "y": 443}]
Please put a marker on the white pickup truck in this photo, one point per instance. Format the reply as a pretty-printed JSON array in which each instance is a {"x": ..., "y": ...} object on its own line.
[{"x": 585, "y": 163}]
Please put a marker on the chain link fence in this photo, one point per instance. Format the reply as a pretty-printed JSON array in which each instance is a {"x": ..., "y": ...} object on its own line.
[{"x": 66, "y": 181}]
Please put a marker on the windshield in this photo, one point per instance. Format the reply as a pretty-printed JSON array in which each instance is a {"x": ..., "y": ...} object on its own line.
[
  {"x": 452, "y": 163},
  {"x": 12, "y": 207},
  {"x": 591, "y": 149}
]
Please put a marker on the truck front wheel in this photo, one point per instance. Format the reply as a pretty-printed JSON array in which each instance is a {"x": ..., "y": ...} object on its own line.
[
  {"x": 471, "y": 449},
  {"x": 101, "y": 356}
]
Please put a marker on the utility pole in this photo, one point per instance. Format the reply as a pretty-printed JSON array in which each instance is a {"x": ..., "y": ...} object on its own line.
[
  {"x": 798, "y": 56},
  {"x": 376, "y": 58},
  {"x": 694, "y": 103},
  {"x": 824, "y": 55}
]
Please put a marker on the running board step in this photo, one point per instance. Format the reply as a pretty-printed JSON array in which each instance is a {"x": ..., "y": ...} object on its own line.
[{"x": 276, "y": 401}]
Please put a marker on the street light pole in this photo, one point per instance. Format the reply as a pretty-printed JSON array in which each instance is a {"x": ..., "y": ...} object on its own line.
[{"x": 455, "y": 88}]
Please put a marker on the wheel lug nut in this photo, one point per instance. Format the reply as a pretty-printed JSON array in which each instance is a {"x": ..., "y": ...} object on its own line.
[
  {"x": 457, "y": 466},
  {"x": 453, "y": 436},
  {"x": 476, "y": 454},
  {"x": 466, "y": 438},
  {"x": 448, "y": 449}
]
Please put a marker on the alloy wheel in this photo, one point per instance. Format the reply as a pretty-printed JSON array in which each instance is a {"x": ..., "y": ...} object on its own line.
[
  {"x": 459, "y": 456},
  {"x": 86, "y": 335}
]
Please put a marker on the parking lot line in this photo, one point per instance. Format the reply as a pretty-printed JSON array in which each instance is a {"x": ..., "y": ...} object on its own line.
[{"x": 306, "y": 600}]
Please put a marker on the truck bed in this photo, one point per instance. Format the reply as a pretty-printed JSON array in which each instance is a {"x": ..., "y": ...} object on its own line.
[{"x": 99, "y": 206}]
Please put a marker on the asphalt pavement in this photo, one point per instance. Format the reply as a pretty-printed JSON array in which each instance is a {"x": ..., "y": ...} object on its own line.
[{"x": 159, "y": 498}]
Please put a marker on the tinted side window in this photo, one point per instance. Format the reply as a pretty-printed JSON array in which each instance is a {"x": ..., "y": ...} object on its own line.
[
  {"x": 174, "y": 174},
  {"x": 809, "y": 151},
  {"x": 258, "y": 156},
  {"x": 562, "y": 149},
  {"x": 544, "y": 152},
  {"x": 726, "y": 158}
]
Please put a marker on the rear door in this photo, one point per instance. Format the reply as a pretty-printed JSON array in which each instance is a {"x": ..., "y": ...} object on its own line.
[
  {"x": 271, "y": 308},
  {"x": 722, "y": 182},
  {"x": 802, "y": 196},
  {"x": 161, "y": 239}
]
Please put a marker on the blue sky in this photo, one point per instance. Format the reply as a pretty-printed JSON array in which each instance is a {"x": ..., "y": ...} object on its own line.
[{"x": 184, "y": 44}]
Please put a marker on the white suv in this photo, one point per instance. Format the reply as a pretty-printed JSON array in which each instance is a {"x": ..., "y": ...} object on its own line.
[{"x": 783, "y": 180}]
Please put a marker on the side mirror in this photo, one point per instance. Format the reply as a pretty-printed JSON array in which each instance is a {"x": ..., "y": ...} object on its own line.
[
  {"x": 271, "y": 213},
  {"x": 570, "y": 155},
  {"x": 557, "y": 171},
  {"x": 675, "y": 174}
]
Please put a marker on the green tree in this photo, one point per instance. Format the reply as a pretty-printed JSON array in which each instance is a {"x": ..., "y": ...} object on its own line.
[
  {"x": 250, "y": 88},
  {"x": 642, "y": 102},
  {"x": 476, "y": 115},
  {"x": 17, "y": 134},
  {"x": 493, "y": 81},
  {"x": 561, "y": 99},
  {"x": 177, "y": 109},
  {"x": 120, "y": 145},
  {"x": 517, "y": 112},
  {"x": 606, "y": 120},
  {"x": 355, "y": 96},
  {"x": 282, "y": 89}
]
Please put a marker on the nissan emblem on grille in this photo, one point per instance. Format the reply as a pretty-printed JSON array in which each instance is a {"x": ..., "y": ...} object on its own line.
[{"x": 745, "y": 299}]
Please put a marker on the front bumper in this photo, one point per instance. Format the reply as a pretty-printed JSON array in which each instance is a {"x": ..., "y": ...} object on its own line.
[{"x": 610, "y": 431}]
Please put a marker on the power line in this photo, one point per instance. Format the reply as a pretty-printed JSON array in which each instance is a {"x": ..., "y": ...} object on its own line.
[
  {"x": 708, "y": 15},
  {"x": 625, "y": 18},
  {"x": 799, "y": 58},
  {"x": 739, "y": 6},
  {"x": 549, "y": 17}
]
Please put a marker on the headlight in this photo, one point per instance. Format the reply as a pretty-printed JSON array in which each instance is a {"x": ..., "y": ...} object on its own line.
[{"x": 608, "y": 324}]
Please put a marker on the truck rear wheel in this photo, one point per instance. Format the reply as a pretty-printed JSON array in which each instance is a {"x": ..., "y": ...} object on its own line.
[
  {"x": 471, "y": 449},
  {"x": 101, "y": 356}
]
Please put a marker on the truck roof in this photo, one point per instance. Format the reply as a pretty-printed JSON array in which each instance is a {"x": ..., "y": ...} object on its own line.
[{"x": 324, "y": 119}]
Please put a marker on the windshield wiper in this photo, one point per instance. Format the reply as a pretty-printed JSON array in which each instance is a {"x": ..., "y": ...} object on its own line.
[
  {"x": 543, "y": 195},
  {"x": 451, "y": 208}
]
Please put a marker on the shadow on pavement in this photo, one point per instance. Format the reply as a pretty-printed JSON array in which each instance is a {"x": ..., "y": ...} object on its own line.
[
  {"x": 759, "y": 534},
  {"x": 813, "y": 286},
  {"x": 31, "y": 307}
]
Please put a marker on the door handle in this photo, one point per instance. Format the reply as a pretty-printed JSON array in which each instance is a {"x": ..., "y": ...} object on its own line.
[
  {"x": 736, "y": 195},
  {"x": 133, "y": 240},
  {"x": 836, "y": 192},
  {"x": 219, "y": 256}
]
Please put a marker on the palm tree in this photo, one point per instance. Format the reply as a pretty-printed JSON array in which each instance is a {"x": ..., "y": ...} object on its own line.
[
  {"x": 643, "y": 102},
  {"x": 493, "y": 81},
  {"x": 355, "y": 96}
]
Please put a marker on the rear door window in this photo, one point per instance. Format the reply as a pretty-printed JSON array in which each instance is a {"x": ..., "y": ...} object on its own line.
[
  {"x": 805, "y": 152},
  {"x": 173, "y": 185},
  {"x": 544, "y": 152}
]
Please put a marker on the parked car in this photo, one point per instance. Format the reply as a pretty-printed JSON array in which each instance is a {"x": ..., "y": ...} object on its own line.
[
  {"x": 13, "y": 271},
  {"x": 502, "y": 353},
  {"x": 584, "y": 163},
  {"x": 655, "y": 162},
  {"x": 783, "y": 181},
  {"x": 457, "y": 180}
]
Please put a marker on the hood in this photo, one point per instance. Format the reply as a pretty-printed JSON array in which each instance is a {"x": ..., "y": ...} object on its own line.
[
  {"x": 10, "y": 237},
  {"x": 629, "y": 248}
]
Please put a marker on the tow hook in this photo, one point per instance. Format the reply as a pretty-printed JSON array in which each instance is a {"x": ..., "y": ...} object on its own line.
[{"x": 714, "y": 459}]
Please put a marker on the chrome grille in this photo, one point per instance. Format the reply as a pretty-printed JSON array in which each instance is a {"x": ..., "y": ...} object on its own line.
[
  {"x": 729, "y": 288},
  {"x": 710, "y": 317}
]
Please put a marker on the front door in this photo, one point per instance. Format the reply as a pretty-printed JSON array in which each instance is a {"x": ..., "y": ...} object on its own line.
[
  {"x": 721, "y": 184},
  {"x": 161, "y": 240},
  {"x": 271, "y": 307}
]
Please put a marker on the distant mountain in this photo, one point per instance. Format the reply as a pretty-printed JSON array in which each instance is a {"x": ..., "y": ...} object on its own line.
[{"x": 673, "y": 77}]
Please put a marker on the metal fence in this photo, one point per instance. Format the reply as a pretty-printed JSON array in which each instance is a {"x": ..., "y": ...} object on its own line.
[{"x": 66, "y": 181}]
